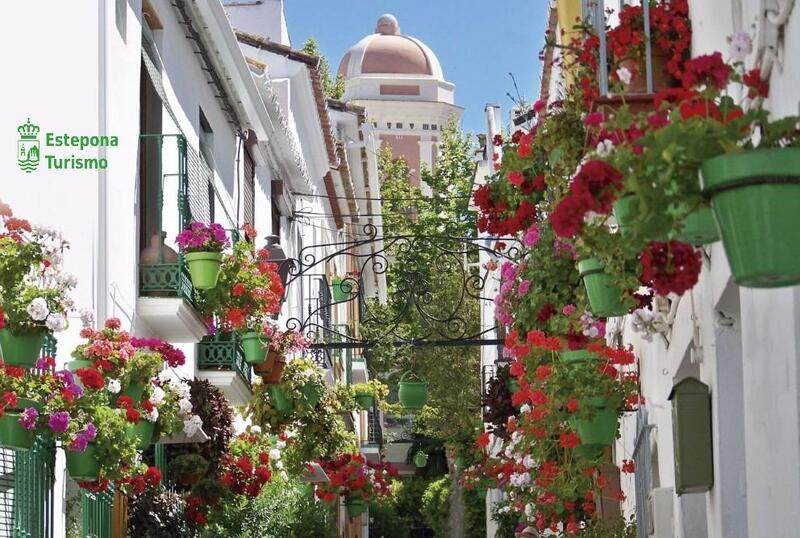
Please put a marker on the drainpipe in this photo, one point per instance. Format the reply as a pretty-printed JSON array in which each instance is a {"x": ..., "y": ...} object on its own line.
[{"x": 101, "y": 279}]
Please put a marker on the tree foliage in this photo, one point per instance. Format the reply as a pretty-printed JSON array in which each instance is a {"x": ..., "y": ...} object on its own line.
[{"x": 333, "y": 86}]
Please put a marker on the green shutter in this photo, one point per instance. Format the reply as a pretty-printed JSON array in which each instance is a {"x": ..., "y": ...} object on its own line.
[{"x": 691, "y": 430}]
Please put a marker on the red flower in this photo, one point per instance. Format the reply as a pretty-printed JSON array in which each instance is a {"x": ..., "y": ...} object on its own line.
[
  {"x": 10, "y": 399},
  {"x": 546, "y": 312},
  {"x": 113, "y": 323},
  {"x": 15, "y": 372},
  {"x": 567, "y": 217},
  {"x": 756, "y": 86},
  {"x": 709, "y": 69},
  {"x": 628, "y": 466},
  {"x": 515, "y": 177},
  {"x": 148, "y": 406},
  {"x": 543, "y": 372},
  {"x": 91, "y": 378},
  {"x": 235, "y": 318},
  {"x": 572, "y": 405},
  {"x": 132, "y": 415},
  {"x": 263, "y": 473},
  {"x": 2, "y": 319},
  {"x": 497, "y": 140},
  {"x": 263, "y": 457},
  {"x": 244, "y": 464},
  {"x": 539, "y": 398},
  {"x": 569, "y": 439},
  {"x": 124, "y": 401},
  {"x": 238, "y": 289},
  {"x": 153, "y": 476},
  {"x": 670, "y": 267},
  {"x": 482, "y": 440}
]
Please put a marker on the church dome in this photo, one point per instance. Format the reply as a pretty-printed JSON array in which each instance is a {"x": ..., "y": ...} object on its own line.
[{"x": 388, "y": 52}]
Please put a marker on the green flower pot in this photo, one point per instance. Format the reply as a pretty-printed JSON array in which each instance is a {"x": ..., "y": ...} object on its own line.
[
  {"x": 365, "y": 401},
  {"x": 134, "y": 391},
  {"x": 77, "y": 364},
  {"x": 577, "y": 356},
  {"x": 13, "y": 435},
  {"x": 342, "y": 290},
  {"x": 83, "y": 466},
  {"x": 21, "y": 349},
  {"x": 203, "y": 268},
  {"x": 420, "y": 459},
  {"x": 280, "y": 400},
  {"x": 755, "y": 197},
  {"x": 142, "y": 433},
  {"x": 600, "y": 430},
  {"x": 255, "y": 349},
  {"x": 311, "y": 394},
  {"x": 459, "y": 462},
  {"x": 512, "y": 385},
  {"x": 605, "y": 299},
  {"x": 698, "y": 228},
  {"x": 355, "y": 506},
  {"x": 623, "y": 209},
  {"x": 588, "y": 452},
  {"x": 412, "y": 394}
]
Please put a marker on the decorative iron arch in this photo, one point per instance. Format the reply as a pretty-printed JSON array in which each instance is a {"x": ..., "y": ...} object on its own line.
[{"x": 414, "y": 287}]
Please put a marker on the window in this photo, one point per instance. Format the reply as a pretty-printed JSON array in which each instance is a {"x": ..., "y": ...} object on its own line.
[
  {"x": 398, "y": 125},
  {"x": 276, "y": 218},
  {"x": 206, "y": 139},
  {"x": 424, "y": 126},
  {"x": 434, "y": 127},
  {"x": 249, "y": 189}
]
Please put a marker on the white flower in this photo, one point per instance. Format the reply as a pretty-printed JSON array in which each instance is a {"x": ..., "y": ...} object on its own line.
[
  {"x": 284, "y": 476},
  {"x": 191, "y": 426},
  {"x": 183, "y": 389},
  {"x": 624, "y": 75},
  {"x": 279, "y": 465},
  {"x": 519, "y": 480},
  {"x": 38, "y": 310},
  {"x": 164, "y": 376},
  {"x": 529, "y": 510},
  {"x": 274, "y": 454},
  {"x": 56, "y": 322},
  {"x": 255, "y": 429},
  {"x": 152, "y": 416},
  {"x": 157, "y": 395},
  {"x": 604, "y": 148},
  {"x": 741, "y": 44},
  {"x": 185, "y": 407},
  {"x": 281, "y": 444},
  {"x": 524, "y": 408},
  {"x": 528, "y": 462},
  {"x": 114, "y": 386}
]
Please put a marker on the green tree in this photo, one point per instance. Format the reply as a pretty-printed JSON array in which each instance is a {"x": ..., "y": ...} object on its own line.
[{"x": 334, "y": 87}]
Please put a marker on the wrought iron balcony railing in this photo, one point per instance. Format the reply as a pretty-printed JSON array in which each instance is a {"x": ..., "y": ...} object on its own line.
[{"x": 223, "y": 351}]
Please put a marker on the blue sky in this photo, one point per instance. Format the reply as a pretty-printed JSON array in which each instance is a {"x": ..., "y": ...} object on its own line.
[{"x": 477, "y": 42}]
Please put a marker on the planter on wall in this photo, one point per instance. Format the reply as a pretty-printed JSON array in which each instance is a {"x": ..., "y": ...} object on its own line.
[
  {"x": 412, "y": 394},
  {"x": 22, "y": 349},
  {"x": 203, "y": 268},
  {"x": 355, "y": 506},
  {"x": 577, "y": 356},
  {"x": 599, "y": 430},
  {"x": 755, "y": 197},
  {"x": 274, "y": 373},
  {"x": 83, "y": 466},
  {"x": 605, "y": 299},
  {"x": 141, "y": 432},
  {"x": 365, "y": 401},
  {"x": 698, "y": 228},
  {"x": 12, "y": 434},
  {"x": 342, "y": 289},
  {"x": 254, "y": 348}
]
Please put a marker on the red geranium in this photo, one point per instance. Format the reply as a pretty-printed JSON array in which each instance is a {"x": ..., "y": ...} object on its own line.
[
  {"x": 91, "y": 378},
  {"x": 670, "y": 266}
]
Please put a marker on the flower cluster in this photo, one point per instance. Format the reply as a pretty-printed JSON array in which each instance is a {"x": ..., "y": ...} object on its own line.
[
  {"x": 200, "y": 237},
  {"x": 34, "y": 291},
  {"x": 353, "y": 475},
  {"x": 594, "y": 188},
  {"x": 670, "y": 267},
  {"x": 249, "y": 290},
  {"x": 284, "y": 342}
]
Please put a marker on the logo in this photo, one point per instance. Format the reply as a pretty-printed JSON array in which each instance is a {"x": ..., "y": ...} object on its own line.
[{"x": 28, "y": 147}]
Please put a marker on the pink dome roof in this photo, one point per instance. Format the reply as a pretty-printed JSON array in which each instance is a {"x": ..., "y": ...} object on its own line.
[{"x": 389, "y": 52}]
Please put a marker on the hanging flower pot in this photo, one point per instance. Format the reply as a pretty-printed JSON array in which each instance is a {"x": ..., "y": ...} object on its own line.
[
  {"x": 512, "y": 385},
  {"x": 599, "y": 430},
  {"x": 142, "y": 432},
  {"x": 13, "y": 434},
  {"x": 365, "y": 401},
  {"x": 755, "y": 197},
  {"x": 698, "y": 228},
  {"x": 203, "y": 268},
  {"x": 274, "y": 374},
  {"x": 577, "y": 356},
  {"x": 134, "y": 391},
  {"x": 280, "y": 399},
  {"x": 420, "y": 459},
  {"x": 355, "y": 506},
  {"x": 459, "y": 462},
  {"x": 342, "y": 290},
  {"x": 623, "y": 210},
  {"x": 604, "y": 297},
  {"x": 83, "y": 466},
  {"x": 254, "y": 348},
  {"x": 21, "y": 349},
  {"x": 588, "y": 452},
  {"x": 311, "y": 393},
  {"x": 412, "y": 394}
]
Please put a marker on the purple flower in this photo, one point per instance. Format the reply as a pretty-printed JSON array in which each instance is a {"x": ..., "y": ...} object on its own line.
[
  {"x": 531, "y": 236},
  {"x": 199, "y": 236},
  {"x": 42, "y": 363},
  {"x": 28, "y": 418},
  {"x": 59, "y": 422},
  {"x": 524, "y": 286},
  {"x": 83, "y": 438},
  {"x": 65, "y": 376}
]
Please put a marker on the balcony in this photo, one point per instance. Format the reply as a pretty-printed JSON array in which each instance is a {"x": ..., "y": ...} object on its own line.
[
  {"x": 220, "y": 361},
  {"x": 169, "y": 168}
]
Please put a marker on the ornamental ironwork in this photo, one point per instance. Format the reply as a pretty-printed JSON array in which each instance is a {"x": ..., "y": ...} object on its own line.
[{"x": 415, "y": 289}]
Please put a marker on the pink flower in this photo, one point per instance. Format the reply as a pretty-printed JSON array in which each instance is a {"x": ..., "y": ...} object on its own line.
[
  {"x": 568, "y": 309},
  {"x": 531, "y": 236},
  {"x": 524, "y": 286}
]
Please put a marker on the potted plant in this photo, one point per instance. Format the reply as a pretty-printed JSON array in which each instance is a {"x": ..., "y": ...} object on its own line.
[
  {"x": 188, "y": 469},
  {"x": 248, "y": 291},
  {"x": 34, "y": 292},
  {"x": 420, "y": 459},
  {"x": 281, "y": 344},
  {"x": 412, "y": 391},
  {"x": 344, "y": 288},
  {"x": 202, "y": 246},
  {"x": 22, "y": 404},
  {"x": 367, "y": 393},
  {"x": 356, "y": 480}
]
